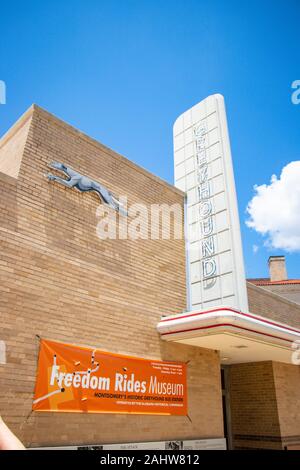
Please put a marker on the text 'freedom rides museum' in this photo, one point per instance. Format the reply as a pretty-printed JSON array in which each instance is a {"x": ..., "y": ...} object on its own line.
[{"x": 161, "y": 335}]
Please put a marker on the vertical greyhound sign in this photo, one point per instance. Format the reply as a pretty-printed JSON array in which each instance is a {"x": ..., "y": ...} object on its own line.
[{"x": 203, "y": 169}]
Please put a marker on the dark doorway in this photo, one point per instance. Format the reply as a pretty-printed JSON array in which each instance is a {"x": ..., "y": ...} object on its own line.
[{"x": 225, "y": 371}]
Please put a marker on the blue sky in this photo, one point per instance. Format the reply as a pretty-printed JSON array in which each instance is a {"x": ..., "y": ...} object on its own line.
[{"x": 123, "y": 70}]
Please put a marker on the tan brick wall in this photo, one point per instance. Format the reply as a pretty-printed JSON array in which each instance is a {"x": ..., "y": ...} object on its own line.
[
  {"x": 265, "y": 405},
  {"x": 273, "y": 306},
  {"x": 287, "y": 387},
  {"x": 286, "y": 377},
  {"x": 255, "y": 422},
  {"x": 59, "y": 281},
  {"x": 289, "y": 291}
]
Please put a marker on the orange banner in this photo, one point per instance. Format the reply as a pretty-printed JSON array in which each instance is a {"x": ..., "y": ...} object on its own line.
[{"x": 86, "y": 380}]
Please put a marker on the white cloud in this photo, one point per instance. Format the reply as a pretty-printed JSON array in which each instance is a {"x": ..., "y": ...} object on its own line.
[
  {"x": 275, "y": 209},
  {"x": 255, "y": 249}
]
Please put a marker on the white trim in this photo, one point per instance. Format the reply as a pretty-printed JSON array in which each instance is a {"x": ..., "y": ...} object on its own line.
[{"x": 225, "y": 320}]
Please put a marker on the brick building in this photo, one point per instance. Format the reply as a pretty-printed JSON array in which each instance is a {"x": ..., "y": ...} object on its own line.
[
  {"x": 278, "y": 281},
  {"x": 58, "y": 280}
]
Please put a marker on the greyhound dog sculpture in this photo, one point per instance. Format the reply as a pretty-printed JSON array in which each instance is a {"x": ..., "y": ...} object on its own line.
[{"x": 84, "y": 184}]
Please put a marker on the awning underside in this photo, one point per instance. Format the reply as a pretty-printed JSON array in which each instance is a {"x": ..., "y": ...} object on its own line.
[{"x": 240, "y": 337}]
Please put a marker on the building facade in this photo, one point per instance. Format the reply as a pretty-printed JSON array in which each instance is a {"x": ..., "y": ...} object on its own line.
[{"x": 60, "y": 281}]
